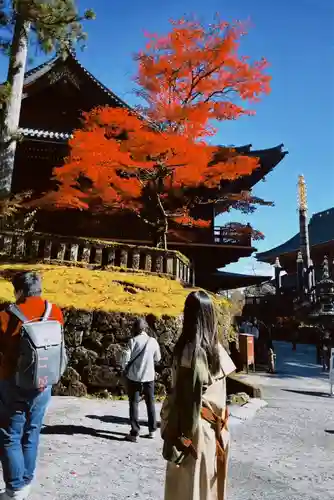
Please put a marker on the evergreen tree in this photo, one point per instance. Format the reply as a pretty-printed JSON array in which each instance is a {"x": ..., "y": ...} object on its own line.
[{"x": 51, "y": 25}]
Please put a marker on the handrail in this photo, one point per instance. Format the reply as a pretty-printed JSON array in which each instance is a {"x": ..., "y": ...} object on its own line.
[{"x": 33, "y": 246}]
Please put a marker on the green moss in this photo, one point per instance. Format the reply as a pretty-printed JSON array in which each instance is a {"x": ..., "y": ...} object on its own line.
[{"x": 87, "y": 289}]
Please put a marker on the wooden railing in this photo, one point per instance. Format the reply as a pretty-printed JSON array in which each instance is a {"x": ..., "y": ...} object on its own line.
[
  {"x": 32, "y": 246},
  {"x": 224, "y": 236}
]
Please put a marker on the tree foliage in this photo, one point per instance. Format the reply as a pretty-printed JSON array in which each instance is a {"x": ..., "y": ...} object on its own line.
[
  {"x": 155, "y": 160},
  {"x": 53, "y": 23},
  {"x": 50, "y": 25}
]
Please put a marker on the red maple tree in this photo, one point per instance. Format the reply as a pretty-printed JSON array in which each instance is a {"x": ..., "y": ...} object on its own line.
[{"x": 152, "y": 160}]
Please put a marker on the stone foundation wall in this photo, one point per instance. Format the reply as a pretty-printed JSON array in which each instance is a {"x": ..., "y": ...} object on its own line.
[{"x": 95, "y": 341}]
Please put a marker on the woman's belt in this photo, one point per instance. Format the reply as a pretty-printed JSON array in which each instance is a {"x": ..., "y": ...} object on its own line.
[{"x": 218, "y": 424}]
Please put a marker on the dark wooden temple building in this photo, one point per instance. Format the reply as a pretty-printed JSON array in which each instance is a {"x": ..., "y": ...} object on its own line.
[
  {"x": 55, "y": 95},
  {"x": 321, "y": 236},
  {"x": 314, "y": 240},
  {"x": 301, "y": 258}
]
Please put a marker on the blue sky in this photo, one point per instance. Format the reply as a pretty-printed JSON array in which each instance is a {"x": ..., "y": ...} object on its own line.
[{"x": 297, "y": 38}]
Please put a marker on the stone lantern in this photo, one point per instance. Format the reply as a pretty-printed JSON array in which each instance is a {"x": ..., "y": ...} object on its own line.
[{"x": 323, "y": 309}]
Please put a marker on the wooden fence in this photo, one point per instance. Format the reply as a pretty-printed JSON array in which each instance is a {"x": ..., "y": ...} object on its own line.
[{"x": 40, "y": 247}]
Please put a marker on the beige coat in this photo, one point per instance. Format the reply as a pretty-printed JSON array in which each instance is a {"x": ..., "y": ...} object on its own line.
[{"x": 198, "y": 479}]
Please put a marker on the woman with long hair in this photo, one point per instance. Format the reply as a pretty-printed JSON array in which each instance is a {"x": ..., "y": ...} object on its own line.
[{"x": 194, "y": 416}]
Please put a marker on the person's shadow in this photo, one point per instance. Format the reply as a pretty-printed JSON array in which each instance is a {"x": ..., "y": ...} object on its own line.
[
  {"x": 113, "y": 419},
  {"x": 70, "y": 430}
]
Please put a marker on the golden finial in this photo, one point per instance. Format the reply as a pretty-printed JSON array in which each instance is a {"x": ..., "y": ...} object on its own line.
[{"x": 302, "y": 200}]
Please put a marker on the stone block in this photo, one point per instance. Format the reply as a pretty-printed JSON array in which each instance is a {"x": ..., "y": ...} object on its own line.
[
  {"x": 61, "y": 252},
  {"x": 135, "y": 260},
  {"x": 124, "y": 258},
  {"x": 74, "y": 249},
  {"x": 111, "y": 256},
  {"x": 159, "y": 263},
  {"x": 86, "y": 255},
  {"x": 98, "y": 256},
  {"x": 148, "y": 262}
]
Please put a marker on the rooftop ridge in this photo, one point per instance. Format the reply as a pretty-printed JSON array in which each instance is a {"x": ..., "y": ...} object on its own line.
[
  {"x": 72, "y": 55},
  {"x": 34, "y": 70},
  {"x": 44, "y": 134},
  {"x": 328, "y": 211}
]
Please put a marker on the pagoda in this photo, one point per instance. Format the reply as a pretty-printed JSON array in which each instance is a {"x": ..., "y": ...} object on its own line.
[{"x": 54, "y": 96}]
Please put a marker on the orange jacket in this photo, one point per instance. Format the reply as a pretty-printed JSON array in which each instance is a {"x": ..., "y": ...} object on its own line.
[{"x": 32, "y": 308}]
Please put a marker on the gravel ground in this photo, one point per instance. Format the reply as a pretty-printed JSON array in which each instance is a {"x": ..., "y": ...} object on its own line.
[{"x": 284, "y": 453}]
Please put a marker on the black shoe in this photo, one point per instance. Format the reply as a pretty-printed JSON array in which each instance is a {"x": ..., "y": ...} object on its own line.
[{"x": 131, "y": 438}]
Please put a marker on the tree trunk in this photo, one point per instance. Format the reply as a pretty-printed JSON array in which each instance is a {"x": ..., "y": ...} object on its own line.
[
  {"x": 12, "y": 108},
  {"x": 161, "y": 225},
  {"x": 160, "y": 237}
]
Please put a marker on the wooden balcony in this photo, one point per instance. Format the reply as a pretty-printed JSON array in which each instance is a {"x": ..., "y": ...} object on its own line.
[
  {"x": 220, "y": 235},
  {"x": 223, "y": 236}
]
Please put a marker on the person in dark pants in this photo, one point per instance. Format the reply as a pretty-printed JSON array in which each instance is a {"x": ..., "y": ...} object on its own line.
[
  {"x": 138, "y": 363},
  {"x": 326, "y": 349}
]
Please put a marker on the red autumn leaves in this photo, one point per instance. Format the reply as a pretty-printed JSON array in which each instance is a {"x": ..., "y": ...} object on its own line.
[{"x": 189, "y": 79}]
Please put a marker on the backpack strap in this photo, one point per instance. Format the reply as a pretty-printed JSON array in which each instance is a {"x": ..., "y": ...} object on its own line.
[
  {"x": 16, "y": 311},
  {"x": 48, "y": 309}
]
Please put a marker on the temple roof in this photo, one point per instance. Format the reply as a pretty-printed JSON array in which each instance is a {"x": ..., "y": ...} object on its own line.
[
  {"x": 268, "y": 159},
  {"x": 321, "y": 231},
  {"x": 224, "y": 280},
  {"x": 70, "y": 62},
  {"x": 69, "y": 67},
  {"x": 31, "y": 133}
]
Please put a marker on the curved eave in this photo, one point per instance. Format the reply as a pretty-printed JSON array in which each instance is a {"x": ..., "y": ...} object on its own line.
[
  {"x": 222, "y": 280},
  {"x": 40, "y": 72},
  {"x": 271, "y": 257},
  {"x": 290, "y": 246},
  {"x": 321, "y": 233},
  {"x": 268, "y": 160},
  {"x": 44, "y": 135}
]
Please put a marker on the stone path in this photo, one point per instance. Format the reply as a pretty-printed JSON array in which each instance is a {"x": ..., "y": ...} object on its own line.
[{"x": 284, "y": 453}]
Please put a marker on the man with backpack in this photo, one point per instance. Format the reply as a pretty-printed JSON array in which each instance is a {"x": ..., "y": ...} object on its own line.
[
  {"x": 138, "y": 367},
  {"x": 33, "y": 358}
]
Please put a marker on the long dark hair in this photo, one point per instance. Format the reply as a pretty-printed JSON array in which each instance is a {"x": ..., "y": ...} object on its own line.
[{"x": 199, "y": 329}]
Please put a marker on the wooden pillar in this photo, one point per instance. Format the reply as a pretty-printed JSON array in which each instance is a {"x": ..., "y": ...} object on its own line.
[
  {"x": 193, "y": 274},
  {"x": 7, "y": 245},
  {"x": 47, "y": 250},
  {"x": 34, "y": 248},
  {"x": 187, "y": 274},
  {"x": 20, "y": 247}
]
